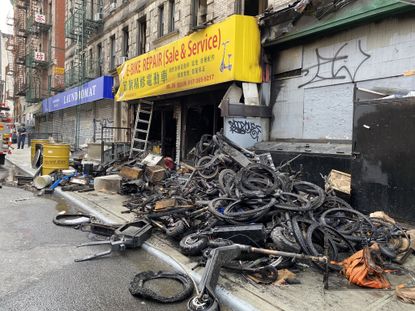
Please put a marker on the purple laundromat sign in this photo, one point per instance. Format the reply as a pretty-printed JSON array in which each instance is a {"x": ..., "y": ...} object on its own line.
[{"x": 100, "y": 88}]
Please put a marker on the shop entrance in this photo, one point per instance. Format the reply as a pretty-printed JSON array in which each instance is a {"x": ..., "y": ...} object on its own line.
[
  {"x": 202, "y": 116},
  {"x": 162, "y": 136},
  {"x": 195, "y": 114}
]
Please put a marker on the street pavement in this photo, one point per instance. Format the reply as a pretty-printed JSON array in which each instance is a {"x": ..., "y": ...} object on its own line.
[
  {"x": 37, "y": 271},
  {"x": 37, "y": 268}
]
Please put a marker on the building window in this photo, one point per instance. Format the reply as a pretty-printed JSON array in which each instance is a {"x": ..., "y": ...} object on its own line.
[
  {"x": 161, "y": 20},
  {"x": 90, "y": 60},
  {"x": 141, "y": 35},
  {"x": 100, "y": 8},
  {"x": 112, "y": 52},
  {"x": 199, "y": 12},
  {"x": 99, "y": 58},
  {"x": 251, "y": 8},
  {"x": 172, "y": 12},
  {"x": 125, "y": 39}
]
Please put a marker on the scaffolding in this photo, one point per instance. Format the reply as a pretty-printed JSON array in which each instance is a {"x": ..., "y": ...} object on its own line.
[{"x": 79, "y": 26}]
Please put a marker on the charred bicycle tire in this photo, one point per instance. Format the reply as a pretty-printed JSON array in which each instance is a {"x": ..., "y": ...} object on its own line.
[
  {"x": 207, "y": 304},
  {"x": 193, "y": 244},
  {"x": 332, "y": 234},
  {"x": 284, "y": 241},
  {"x": 311, "y": 189},
  {"x": 137, "y": 286},
  {"x": 65, "y": 219},
  {"x": 299, "y": 235},
  {"x": 288, "y": 202},
  {"x": 355, "y": 227},
  {"x": 225, "y": 178},
  {"x": 176, "y": 229},
  {"x": 207, "y": 168},
  {"x": 256, "y": 180}
]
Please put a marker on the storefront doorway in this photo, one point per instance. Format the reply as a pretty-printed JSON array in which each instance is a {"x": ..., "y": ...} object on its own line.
[
  {"x": 202, "y": 116},
  {"x": 163, "y": 131}
]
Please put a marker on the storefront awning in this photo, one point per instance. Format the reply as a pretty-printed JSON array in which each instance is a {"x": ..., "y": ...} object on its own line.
[
  {"x": 222, "y": 52},
  {"x": 100, "y": 88}
]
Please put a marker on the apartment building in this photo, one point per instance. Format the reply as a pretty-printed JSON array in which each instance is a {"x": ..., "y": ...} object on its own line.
[
  {"x": 6, "y": 71},
  {"x": 38, "y": 52},
  {"x": 103, "y": 35}
]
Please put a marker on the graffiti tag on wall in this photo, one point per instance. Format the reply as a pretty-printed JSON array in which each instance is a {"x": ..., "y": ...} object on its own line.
[
  {"x": 245, "y": 128},
  {"x": 341, "y": 66}
]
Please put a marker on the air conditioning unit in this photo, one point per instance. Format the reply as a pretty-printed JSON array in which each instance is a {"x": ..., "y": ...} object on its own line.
[
  {"x": 122, "y": 60},
  {"x": 98, "y": 17},
  {"x": 113, "y": 6}
]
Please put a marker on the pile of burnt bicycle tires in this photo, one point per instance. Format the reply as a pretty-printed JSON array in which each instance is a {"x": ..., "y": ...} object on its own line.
[{"x": 236, "y": 196}]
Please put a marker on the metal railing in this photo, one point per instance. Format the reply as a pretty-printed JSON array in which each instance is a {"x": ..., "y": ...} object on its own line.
[
  {"x": 115, "y": 143},
  {"x": 33, "y": 26},
  {"x": 57, "y": 137},
  {"x": 78, "y": 74},
  {"x": 92, "y": 69},
  {"x": 70, "y": 77},
  {"x": 41, "y": 60}
]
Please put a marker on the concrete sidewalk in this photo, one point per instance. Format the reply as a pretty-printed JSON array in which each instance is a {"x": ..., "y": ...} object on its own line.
[{"x": 235, "y": 292}]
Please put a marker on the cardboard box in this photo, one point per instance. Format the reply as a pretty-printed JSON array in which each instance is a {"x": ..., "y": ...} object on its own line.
[
  {"x": 131, "y": 173},
  {"x": 162, "y": 204},
  {"x": 339, "y": 181},
  {"x": 155, "y": 173},
  {"x": 110, "y": 183}
]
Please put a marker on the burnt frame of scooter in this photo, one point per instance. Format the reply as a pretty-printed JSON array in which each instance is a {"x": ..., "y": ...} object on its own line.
[
  {"x": 243, "y": 234},
  {"x": 206, "y": 299},
  {"x": 130, "y": 235}
]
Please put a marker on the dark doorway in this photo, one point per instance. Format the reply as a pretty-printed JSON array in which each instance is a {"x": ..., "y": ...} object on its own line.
[
  {"x": 168, "y": 146},
  {"x": 201, "y": 119},
  {"x": 163, "y": 130}
]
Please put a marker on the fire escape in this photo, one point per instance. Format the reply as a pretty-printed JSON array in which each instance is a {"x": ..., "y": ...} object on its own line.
[
  {"x": 19, "y": 48},
  {"x": 79, "y": 26},
  {"x": 37, "y": 53},
  {"x": 10, "y": 67}
]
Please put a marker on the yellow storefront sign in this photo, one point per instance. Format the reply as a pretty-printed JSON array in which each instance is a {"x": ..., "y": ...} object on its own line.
[
  {"x": 223, "y": 52},
  {"x": 59, "y": 70}
]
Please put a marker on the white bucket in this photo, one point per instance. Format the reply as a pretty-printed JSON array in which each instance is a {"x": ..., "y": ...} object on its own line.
[{"x": 43, "y": 181}]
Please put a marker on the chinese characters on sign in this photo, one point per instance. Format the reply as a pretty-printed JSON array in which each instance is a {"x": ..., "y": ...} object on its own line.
[
  {"x": 39, "y": 18},
  {"x": 40, "y": 57}
]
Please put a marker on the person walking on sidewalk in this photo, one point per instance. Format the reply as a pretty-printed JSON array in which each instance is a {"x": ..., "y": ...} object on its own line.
[{"x": 22, "y": 132}]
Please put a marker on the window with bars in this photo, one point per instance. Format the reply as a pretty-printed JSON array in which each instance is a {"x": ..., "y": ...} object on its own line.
[
  {"x": 161, "y": 21},
  {"x": 112, "y": 52},
  {"x": 251, "y": 8},
  {"x": 125, "y": 39},
  {"x": 172, "y": 12},
  {"x": 199, "y": 12},
  {"x": 99, "y": 58},
  {"x": 141, "y": 35}
]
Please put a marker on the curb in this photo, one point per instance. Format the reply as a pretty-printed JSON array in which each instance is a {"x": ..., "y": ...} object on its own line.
[
  {"x": 81, "y": 205},
  {"x": 225, "y": 296},
  {"x": 27, "y": 172},
  {"x": 86, "y": 208}
]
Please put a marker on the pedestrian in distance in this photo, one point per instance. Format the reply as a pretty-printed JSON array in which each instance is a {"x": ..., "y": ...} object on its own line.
[{"x": 22, "y": 133}]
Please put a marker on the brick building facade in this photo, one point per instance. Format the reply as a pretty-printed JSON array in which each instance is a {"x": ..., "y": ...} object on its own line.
[{"x": 123, "y": 30}]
